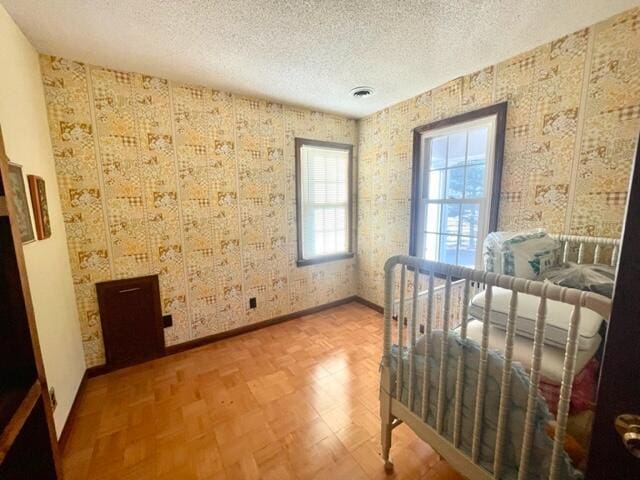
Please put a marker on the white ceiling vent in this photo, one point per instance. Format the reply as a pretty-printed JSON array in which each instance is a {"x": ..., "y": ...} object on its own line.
[{"x": 361, "y": 92}]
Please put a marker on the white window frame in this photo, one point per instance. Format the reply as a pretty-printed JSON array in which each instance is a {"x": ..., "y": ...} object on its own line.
[
  {"x": 489, "y": 121},
  {"x": 301, "y": 195}
]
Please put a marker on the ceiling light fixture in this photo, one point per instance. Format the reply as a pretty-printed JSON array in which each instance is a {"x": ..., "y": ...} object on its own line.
[{"x": 361, "y": 92}]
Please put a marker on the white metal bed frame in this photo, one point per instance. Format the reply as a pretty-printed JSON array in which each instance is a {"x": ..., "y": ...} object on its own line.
[
  {"x": 394, "y": 411},
  {"x": 583, "y": 243},
  {"x": 581, "y": 249}
]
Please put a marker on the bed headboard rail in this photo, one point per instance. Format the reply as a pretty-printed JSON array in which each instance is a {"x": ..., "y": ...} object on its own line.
[
  {"x": 415, "y": 272},
  {"x": 589, "y": 249},
  {"x": 578, "y": 248}
]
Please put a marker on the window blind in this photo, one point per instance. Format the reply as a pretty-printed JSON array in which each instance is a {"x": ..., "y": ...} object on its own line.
[{"x": 325, "y": 201}]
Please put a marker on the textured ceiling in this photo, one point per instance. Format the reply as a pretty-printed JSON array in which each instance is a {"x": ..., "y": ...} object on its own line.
[{"x": 305, "y": 52}]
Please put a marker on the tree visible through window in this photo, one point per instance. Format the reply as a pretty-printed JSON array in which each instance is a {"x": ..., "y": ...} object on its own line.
[{"x": 455, "y": 192}]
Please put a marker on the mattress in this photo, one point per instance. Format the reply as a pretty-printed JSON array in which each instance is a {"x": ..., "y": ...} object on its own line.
[
  {"x": 552, "y": 357},
  {"x": 557, "y": 322}
]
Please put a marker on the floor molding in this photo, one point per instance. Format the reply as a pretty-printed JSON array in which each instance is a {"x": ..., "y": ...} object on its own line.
[
  {"x": 181, "y": 347},
  {"x": 367, "y": 303},
  {"x": 198, "y": 342},
  {"x": 64, "y": 435}
]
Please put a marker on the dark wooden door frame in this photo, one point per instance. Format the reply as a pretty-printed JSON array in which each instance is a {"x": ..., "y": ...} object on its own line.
[
  {"x": 37, "y": 411},
  {"x": 619, "y": 383}
]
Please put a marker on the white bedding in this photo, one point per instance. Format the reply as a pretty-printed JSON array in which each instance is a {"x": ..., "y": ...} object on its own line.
[
  {"x": 552, "y": 357},
  {"x": 557, "y": 322}
]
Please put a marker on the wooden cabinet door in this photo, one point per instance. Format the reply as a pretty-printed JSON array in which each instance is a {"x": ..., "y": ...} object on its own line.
[{"x": 131, "y": 320}]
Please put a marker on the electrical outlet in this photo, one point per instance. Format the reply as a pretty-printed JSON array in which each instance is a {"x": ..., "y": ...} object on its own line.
[
  {"x": 52, "y": 396},
  {"x": 167, "y": 321},
  {"x": 252, "y": 302}
]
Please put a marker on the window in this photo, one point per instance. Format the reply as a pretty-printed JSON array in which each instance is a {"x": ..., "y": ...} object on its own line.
[
  {"x": 323, "y": 187},
  {"x": 456, "y": 185}
]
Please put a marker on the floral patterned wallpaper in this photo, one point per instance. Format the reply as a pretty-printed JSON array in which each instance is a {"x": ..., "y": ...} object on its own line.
[
  {"x": 198, "y": 185},
  {"x": 194, "y": 184},
  {"x": 572, "y": 125}
]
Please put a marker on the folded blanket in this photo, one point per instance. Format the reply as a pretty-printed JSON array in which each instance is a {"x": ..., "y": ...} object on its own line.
[
  {"x": 588, "y": 277},
  {"x": 583, "y": 390}
]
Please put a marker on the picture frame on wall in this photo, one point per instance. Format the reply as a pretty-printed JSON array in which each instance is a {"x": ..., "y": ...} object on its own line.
[
  {"x": 40, "y": 206},
  {"x": 16, "y": 182}
]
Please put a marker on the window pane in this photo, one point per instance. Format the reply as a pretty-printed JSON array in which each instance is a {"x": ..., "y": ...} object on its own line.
[
  {"x": 455, "y": 190},
  {"x": 318, "y": 193},
  {"x": 455, "y": 182},
  {"x": 467, "y": 252},
  {"x": 329, "y": 219},
  {"x": 341, "y": 241},
  {"x": 317, "y": 168},
  {"x": 448, "y": 248},
  {"x": 474, "y": 187},
  {"x": 434, "y": 218},
  {"x": 325, "y": 201},
  {"x": 477, "y": 145},
  {"x": 342, "y": 193},
  {"x": 319, "y": 244},
  {"x": 341, "y": 218},
  {"x": 436, "y": 184},
  {"x": 457, "y": 149},
  {"x": 329, "y": 242},
  {"x": 431, "y": 246},
  {"x": 342, "y": 171},
  {"x": 332, "y": 169},
  {"x": 451, "y": 219},
  {"x": 438, "y": 152},
  {"x": 332, "y": 192},
  {"x": 318, "y": 221},
  {"x": 469, "y": 220}
]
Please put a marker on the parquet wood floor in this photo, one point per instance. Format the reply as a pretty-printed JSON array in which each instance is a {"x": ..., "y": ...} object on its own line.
[{"x": 294, "y": 400}]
